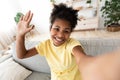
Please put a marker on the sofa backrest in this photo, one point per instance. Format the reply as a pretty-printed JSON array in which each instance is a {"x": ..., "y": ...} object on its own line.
[
  {"x": 97, "y": 46},
  {"x": 35, "y": 63}
]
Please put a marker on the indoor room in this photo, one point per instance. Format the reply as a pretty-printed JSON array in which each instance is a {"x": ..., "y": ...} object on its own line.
[{"x": 92, "y": 25}]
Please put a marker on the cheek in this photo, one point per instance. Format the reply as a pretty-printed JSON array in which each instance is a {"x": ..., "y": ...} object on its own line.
[
  {"x": 67, "y": 36},
  {"x": 52, "y": 32}
]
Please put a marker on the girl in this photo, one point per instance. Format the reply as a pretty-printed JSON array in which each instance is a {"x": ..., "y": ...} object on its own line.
[{"x": 65, "y": 55}]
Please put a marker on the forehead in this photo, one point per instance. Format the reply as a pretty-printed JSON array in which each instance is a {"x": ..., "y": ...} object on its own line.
[{"x": 62, "y": 23}]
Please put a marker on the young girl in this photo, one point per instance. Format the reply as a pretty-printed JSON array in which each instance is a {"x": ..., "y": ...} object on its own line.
[{"x": 65, "y": 55}]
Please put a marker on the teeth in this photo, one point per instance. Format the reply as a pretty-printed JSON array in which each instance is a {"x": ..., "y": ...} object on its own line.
[{"x": 59, "y": 39}]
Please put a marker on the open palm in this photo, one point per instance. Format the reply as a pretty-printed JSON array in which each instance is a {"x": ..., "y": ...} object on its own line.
[{"x": 24, "y": 24}]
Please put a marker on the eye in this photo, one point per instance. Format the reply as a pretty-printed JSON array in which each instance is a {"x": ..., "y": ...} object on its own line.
[
  {"x": 56, "y": 29},
  {"x": 66, "y": 31}
]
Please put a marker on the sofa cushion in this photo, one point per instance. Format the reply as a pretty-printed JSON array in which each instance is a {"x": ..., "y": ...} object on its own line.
[
  {"x": 35, "y": 63},
  {"x": 39, "y": 76}
]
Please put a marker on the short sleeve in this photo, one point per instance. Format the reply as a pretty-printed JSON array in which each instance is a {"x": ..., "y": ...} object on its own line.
[
  {"x": 73, "y": 43},
  {"x": 41, "y": 48}
]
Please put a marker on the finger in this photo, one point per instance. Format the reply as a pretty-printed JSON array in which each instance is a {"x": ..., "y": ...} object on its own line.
[
  {"x": 31, "y": 27},
  {"x": 27, "y": 15},
  {"x": 21, "y": 18},
  {"x": 30, "y": 18}
]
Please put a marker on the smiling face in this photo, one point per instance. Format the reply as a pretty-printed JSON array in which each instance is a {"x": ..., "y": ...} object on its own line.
[{"x": 60, "y": 31}]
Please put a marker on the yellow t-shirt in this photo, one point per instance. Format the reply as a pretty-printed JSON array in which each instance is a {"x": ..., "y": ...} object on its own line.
[{"x": 60, "y": 59}]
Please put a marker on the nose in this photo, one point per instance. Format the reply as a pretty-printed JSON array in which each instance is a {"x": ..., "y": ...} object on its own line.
[{"x": 60, "y": 34}]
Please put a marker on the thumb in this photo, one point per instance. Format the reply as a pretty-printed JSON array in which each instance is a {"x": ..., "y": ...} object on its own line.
[{"x": 31, "y": 27}]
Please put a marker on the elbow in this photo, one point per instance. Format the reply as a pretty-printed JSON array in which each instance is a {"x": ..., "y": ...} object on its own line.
[{"x": 20, "y": 57}]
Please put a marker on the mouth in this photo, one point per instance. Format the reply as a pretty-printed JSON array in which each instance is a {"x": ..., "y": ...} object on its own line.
[{"x": 58, "y": 41}]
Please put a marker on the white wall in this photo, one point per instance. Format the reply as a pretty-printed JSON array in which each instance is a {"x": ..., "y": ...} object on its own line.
[
  {"x": 40, "y": 8},
  {"x": 6, "y": 15},
  {"x": 8, "y": 10}
]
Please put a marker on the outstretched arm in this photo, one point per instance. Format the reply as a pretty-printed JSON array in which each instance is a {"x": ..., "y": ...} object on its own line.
[
  {"x": 23, "y": 28},
  {"x": 82, "y": 59},
  {"x": 102, "y": 67}
]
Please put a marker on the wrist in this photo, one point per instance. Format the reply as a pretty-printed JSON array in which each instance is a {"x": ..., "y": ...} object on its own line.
[{"x": 20, "y": 36}]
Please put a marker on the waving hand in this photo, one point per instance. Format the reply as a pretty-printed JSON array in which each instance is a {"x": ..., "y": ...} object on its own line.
[{"x": 24, "y": 24}]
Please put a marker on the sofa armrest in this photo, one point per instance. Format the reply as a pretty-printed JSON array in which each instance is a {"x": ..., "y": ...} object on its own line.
[{"x": 4, "y": 55}]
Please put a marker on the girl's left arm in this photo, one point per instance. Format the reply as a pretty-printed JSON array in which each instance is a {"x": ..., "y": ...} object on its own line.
[
  {"x": 81, "y": 58},
  {"x": 103, "y": 67}
]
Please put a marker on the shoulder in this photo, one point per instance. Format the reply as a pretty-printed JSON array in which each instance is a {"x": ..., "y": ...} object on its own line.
[
  {"x": 73, "y": 41},
  {"x": 44, "y": 42},
  {"x": 41, "y": 46}
]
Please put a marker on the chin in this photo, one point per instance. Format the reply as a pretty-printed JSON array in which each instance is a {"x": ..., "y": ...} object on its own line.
[{"x": 57, "y": 44}]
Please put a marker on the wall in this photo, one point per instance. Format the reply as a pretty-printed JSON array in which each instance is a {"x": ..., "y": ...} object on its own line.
[
  {"x": 41, "y": 10},
  {"x": 95, "y": 3},
  {"x": 9, "y": 8}
]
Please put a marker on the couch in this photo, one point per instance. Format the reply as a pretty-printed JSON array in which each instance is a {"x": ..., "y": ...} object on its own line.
[{"x": 37, "y": 65}]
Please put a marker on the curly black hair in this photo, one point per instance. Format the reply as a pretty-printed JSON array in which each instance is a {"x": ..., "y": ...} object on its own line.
[{"x": 62, "y": 11}]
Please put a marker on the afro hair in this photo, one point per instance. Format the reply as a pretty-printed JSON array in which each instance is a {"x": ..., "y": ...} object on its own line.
[{"x": 62, "y": 11}]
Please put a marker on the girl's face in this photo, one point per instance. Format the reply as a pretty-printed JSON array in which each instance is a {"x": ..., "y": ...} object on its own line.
[{"x": 60, "y": 31}]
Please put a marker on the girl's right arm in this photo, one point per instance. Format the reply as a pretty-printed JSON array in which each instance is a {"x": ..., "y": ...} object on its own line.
[{"x": 23, "y": 28}]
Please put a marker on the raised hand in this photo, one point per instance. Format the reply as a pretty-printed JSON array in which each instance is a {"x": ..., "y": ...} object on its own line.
[{"x": 24, "y": 26}]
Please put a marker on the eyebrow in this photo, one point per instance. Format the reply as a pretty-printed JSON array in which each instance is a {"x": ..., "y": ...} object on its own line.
[
  {"x": 68, "y": 28},
  {"x": 65, "y": 28}
]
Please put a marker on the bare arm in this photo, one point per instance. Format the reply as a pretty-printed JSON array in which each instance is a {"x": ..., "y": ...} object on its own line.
[
  {"x": 22, "y": 29},
  {"x": 102, "y": 67},
  {"x": 81, "y": 58}
]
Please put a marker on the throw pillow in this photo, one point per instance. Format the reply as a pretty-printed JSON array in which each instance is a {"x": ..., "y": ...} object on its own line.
[{"x": 10, "y": 70}]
